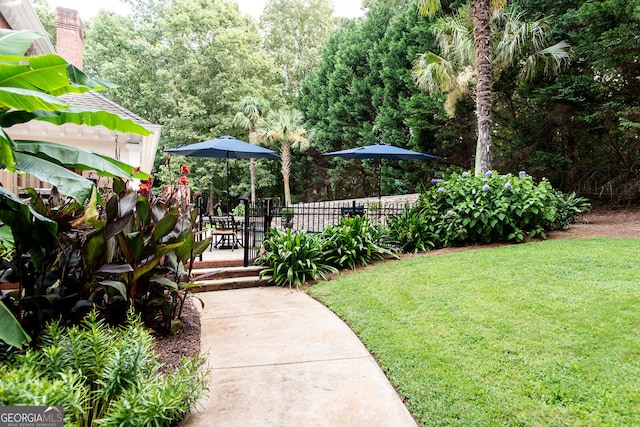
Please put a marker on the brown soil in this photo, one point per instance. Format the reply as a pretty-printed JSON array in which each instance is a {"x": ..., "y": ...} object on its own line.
[
  {"x": 600, "y": 222},
  {"x": 186, "y": 343}
]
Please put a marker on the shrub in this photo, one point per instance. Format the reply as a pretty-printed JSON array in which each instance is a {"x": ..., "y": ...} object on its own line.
[
  {"x": 355, "y": 241},
  {"x": 292, "y": 258},
  {"x": 102, "y": 374},
  {"x": 410, "y": 231},
  {"x": 569, "y": 207},
  {"x": 468, "y": 209},
  {"x": 138, "y": 250}
]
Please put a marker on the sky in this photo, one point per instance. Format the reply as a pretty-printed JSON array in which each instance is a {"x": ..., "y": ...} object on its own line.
[{"x": 88, "y": 9}]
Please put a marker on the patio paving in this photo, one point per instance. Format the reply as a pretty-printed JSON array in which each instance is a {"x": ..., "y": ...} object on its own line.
[{"x": 279, "y": 358}]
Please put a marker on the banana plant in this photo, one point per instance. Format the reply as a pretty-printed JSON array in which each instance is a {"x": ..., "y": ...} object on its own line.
[
  {"x": 29, "y": 90},
  {"x": 30, "y": 87}
]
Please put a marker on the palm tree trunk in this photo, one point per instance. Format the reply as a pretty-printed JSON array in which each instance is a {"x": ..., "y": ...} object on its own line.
[
  {"x": 285, "y": 158},
  {"x": 482, "y": 35}
]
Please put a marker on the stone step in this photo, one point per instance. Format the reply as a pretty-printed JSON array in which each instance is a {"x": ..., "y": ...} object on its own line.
[
  {"x": 213, "y": 273},
  {"x": 218, "y": 263},
  {"x": 231, "y": 283}
]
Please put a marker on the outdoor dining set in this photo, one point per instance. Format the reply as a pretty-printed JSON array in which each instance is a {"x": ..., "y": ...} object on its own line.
[{"x": 225, "y": 230}]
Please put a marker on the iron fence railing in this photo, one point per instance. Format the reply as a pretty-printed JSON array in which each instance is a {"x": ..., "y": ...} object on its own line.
[
  {"x": 256, "y": 220},
  {"x": 315, "y": 217}
]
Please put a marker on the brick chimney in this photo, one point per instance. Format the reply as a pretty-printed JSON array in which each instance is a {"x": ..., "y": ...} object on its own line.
[{"x": 69, "y": 35}]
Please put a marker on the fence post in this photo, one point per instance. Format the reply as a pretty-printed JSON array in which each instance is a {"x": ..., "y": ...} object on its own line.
[
  {"x": 268, "y": 214},
  {"x": 200, "y": 207},
  {"x": 245, "y": 231}
]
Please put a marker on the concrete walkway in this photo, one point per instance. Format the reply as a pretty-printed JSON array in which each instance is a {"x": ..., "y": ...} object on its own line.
[{"x": 279, "y": 358}]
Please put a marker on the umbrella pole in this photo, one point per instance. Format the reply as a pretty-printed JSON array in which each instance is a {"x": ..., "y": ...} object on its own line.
[
  {"x": 379, "y": 178},
  {"x": 228, "y": 181}
]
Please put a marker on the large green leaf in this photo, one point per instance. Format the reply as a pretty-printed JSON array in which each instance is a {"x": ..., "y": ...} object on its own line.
[
  {"x": 69, "y": 183},
  {"x": 11, "y": 331},
  {"x": 16, "y": 42},
  {"x": 118, "y": 286},
  {"x": 69, "y": 156},
  {"x": 201, "y": 246},
  {"x": 165, "y": 226},
  {"x": 7, "y": 155},
  {"x": 170, "y": 284},
  {"x": 125, "y": 167},
  {"x": 77, "y": 77},
  {"x": 162, "y": 250},
  {"x": 29, "y": 100},
  {"x": 184, "y": 252},
  {"x": 28, "y": 227},
  {"x": 15, "y": 117},
  {"x": 94, "y": 249},
  {"x": 144, "y": 211},
  {"x": 6, "y": 238},
  {"x": 44, "y": 73},
  {"x": 143, "y": 269},
  {"x": 85, "y": 116}
]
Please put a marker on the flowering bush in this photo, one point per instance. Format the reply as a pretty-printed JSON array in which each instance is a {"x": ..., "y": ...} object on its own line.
[{"x": 467, "y": 209}]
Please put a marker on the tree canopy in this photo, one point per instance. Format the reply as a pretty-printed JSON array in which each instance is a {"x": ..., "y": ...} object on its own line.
[{"x": 186, "y": 65}]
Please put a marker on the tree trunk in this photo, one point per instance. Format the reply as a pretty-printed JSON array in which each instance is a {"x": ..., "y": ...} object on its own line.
[
  {"x": 285, "y": 158},
  {"x": 482, "y": 36}
]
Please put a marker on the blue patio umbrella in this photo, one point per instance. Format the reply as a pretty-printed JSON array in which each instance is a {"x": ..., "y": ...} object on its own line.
[
  {"x": 225, "y": 147},
  {"x": 379, "y": 152}
]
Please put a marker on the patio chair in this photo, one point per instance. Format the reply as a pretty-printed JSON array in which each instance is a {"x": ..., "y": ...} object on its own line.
[{"x": 224, "y": 232}]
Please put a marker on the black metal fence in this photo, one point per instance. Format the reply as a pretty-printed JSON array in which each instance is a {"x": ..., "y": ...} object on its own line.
[
  {"x": 315, "y": 217},
  {"x": 257, "y": 220}
]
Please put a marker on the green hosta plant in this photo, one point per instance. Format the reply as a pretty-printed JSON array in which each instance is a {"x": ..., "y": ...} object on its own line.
[
  {"x": 354, "y": 242},
  {"x": 102, "y": 375},
  {"x": 292, "y": 258}
]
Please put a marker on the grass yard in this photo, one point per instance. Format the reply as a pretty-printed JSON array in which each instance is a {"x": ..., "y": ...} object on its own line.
[{"x": 538, "y": 334}]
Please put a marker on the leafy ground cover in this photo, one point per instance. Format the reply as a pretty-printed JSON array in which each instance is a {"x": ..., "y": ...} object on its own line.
[{"x": 544, "y": 333}]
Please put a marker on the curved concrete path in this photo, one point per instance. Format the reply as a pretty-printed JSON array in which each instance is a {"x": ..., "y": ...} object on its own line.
[{"x": 279, "y": 358}]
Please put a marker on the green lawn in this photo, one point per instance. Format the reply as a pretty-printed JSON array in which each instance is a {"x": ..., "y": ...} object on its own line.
[{"x": 538, "y": 334}]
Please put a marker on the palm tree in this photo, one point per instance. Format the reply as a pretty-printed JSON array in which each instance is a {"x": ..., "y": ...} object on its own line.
[
  {"x": 481, "y": 10},
  {"x": 250, "y": 111},
  {"x": 283, "y": 129},
  {"x": 518, "y": 44}
]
